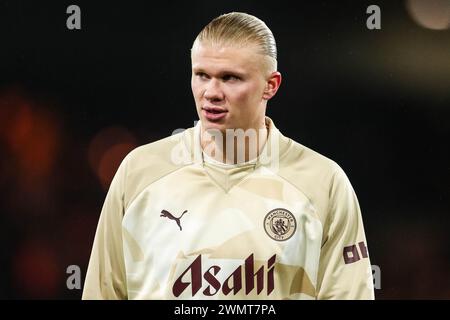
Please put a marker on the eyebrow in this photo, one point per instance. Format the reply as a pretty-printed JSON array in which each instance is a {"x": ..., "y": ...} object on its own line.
[{"x": 222, "y": 72}]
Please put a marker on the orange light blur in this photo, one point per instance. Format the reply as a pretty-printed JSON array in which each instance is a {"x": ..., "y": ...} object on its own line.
[{"x": 107, "y": 150}]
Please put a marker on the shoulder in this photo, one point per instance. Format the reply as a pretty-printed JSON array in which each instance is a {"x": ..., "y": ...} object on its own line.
[
  {"x": 312, "y": 173},
  {"x": 160, "y": 149},
  {"x": 301, "y": 161},
  {"x": 148, "y": 163}
]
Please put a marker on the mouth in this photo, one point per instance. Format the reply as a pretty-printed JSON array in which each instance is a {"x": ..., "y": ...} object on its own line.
[{"x": 214, "y": 113}]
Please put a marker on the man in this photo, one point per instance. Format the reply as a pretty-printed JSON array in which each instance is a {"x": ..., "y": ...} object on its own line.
[{"x": 230, "y": 209}]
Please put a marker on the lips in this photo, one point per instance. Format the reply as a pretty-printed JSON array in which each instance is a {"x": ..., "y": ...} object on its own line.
[{"x": 214, "y": 113}]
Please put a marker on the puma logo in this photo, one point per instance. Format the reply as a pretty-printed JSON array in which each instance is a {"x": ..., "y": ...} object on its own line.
[{"x": 167, "y": 214}]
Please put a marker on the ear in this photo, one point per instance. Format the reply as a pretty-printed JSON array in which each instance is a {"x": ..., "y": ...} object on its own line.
[{"x": 272, "y": 85}]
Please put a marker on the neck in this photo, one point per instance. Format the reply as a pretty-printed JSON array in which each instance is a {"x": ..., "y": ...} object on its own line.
[{"x": 234, "y": 146}]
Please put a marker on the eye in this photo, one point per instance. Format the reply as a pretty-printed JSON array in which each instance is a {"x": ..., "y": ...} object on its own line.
[
  {"x": 202, "y": 75},
  {"x": 230, "y": 77}
]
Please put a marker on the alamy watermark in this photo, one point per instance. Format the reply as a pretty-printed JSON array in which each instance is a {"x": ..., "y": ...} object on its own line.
[
  {"x": 73, "y": 281},
  {"x": 376, "y": 276},
  {"x": 373, "y": 22},
  {"x": 232, "y": 146},
  {"x": 73, "y": 21}
]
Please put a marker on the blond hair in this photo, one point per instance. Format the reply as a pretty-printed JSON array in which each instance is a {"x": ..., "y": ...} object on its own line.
[{"x": 241, "y": 29}]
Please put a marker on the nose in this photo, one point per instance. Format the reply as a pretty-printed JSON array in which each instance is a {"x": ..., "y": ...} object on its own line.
[{"x": 213, "y": 91}]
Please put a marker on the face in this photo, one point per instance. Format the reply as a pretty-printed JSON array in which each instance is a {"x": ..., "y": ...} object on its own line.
[{"x": 231, "y": 86}]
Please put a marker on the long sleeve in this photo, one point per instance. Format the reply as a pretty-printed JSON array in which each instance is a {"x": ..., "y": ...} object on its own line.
[
  {"x": 106, "y": 277},
  {"x": 345, "y": 270}
]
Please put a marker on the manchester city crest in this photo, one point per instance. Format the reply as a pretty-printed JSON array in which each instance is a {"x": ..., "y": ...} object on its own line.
[{"x": 280, "y": 224}]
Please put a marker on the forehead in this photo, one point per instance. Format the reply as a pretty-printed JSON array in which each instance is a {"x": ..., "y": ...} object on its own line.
[{"x": 216, "y": 58}]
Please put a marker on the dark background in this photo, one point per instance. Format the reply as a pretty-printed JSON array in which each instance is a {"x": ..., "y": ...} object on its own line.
[{"x": 73, "y": 103}]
